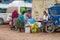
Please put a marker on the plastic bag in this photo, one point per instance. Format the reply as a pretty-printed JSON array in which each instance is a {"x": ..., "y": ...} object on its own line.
[{"x": 34, "y": 27}]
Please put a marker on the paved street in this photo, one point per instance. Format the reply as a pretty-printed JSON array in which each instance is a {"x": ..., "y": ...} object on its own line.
[{"x": 7, "y": 34}]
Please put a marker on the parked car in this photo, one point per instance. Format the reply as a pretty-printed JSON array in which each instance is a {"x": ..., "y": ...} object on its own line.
[{"x": 4, "y": 15}]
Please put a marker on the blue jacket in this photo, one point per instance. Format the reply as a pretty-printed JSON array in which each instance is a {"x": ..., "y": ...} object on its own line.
[{"x": 31, "y": 20}]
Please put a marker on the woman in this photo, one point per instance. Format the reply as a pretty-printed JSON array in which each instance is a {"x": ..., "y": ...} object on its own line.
[
  {"x": 45, "y": 19},
  {"x": 45, "y": 16},
  {"x": 29, "y": 14},
  {"x": 20, "y": 22},
  {"x": 14, "y": 17}
]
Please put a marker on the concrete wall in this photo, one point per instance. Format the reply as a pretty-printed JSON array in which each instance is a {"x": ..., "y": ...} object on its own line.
[
  {"x": 39, "y": 6},
  {"x": 58, "y": 1}
]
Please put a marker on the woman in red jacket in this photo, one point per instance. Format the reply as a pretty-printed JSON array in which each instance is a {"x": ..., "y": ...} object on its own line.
[{"x": 14, "y": 17}]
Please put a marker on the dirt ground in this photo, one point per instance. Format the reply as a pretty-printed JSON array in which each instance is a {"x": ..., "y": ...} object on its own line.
[{"x": 7, "y": 34}]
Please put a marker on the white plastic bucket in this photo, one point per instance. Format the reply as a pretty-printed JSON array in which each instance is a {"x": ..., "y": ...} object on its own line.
[{"x": 27, "y": 29}]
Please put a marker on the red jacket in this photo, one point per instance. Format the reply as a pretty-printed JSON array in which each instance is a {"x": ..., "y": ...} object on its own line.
[{"x": 15, "y": 14}]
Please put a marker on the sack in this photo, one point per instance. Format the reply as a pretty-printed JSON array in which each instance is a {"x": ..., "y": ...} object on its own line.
[
  {"x": 34, "y": 28},
  {"x": 39, "y": 24},
  {"x": 35, "y": 25}
]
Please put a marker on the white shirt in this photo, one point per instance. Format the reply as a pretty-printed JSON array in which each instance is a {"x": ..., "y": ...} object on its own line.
[{"x": 45, "y": 17}]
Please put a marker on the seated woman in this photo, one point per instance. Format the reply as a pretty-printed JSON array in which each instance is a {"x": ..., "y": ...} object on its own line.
[{"x": 45, "y": 18}]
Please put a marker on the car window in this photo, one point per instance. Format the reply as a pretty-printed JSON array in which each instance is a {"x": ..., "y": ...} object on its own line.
[
  {"x": 0, "y": 1},
  {"x": 30, "y": 1},
  {"x": 3, "y": 10}
]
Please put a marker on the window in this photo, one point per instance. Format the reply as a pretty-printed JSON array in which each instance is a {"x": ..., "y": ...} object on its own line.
[
  {"x": 30, "y": 1},
  {"x": 3, "y": 10},
  {"x": 25, "y": 9},
  {"x": 0, "y": 1},
  {"x": 28, "y": 8},
  {"x": 6, "y": 0}
]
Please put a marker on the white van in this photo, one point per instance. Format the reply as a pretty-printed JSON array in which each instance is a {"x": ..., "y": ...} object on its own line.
[
  {"x": 6, "y": 10},
  {"x": 3, "y": 14},
  {"x": 19, "y": 4}
]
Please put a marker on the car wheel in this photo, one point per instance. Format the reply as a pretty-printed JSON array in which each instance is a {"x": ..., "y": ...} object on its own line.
[
  {"x": 49, "y": 28},
  {"x": 1, "y": 21}
]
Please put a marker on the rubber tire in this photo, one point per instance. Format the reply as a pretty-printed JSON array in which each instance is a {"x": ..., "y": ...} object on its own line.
[
  {"x": 2, "y": 21},
  {"x": 49, "y": 31}
]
